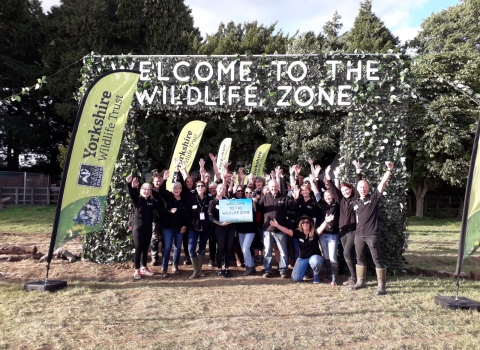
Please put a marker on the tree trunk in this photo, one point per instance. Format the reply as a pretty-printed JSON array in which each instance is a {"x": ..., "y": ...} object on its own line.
[
  {"x": 420, "y": 190},
  {"x": 419, "y": 206},
  {"x": 18, "y": 250}
]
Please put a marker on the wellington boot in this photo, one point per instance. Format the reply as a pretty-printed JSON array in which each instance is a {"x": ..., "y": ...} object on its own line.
[
  {"x": 201, "y": 258},
  {"x": 334, "y": 274},
  {"x": 382, "y": 281},
  {"x": 328, "y": 266},
  {"x": 361, "y": 274},
  {"x": 196, "y": 270}
]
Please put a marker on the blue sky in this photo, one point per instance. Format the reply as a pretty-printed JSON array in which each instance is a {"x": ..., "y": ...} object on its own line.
[{"x": 402, "y": 17}]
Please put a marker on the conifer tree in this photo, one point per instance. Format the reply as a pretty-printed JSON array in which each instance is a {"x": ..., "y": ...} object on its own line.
[
  {"x": 369, "y": 33},
  {"x": 169, "y": 28}
]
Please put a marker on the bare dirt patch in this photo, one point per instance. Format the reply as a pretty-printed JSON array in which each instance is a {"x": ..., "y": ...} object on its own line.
[{"x": 85, "y": 270}]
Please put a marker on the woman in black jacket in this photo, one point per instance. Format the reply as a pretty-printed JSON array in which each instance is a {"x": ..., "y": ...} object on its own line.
[
  {"x": 224, "y": 231},
  {"x": 199, "y": 226},
  {"x": 145, "y": 207}
]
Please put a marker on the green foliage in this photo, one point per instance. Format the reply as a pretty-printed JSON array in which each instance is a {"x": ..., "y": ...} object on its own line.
[
  {"x": 442, "y": 122},
  {"x": 27, "y": 122},
  {"x": 249, "y": 38},
  {"x": 373, "y": 130},
  {"x": 168, "y": 27},
  {"x": 450, "y": 29},
  {"x": 442, "y": 125},
  {"x": 328, "y": 40},
  {"x": 369, "y": 33}
]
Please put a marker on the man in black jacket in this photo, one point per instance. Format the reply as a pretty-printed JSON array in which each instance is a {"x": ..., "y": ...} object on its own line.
[
  {"x": 274, "y": 206},
  {"x": 156, "y": 226}
]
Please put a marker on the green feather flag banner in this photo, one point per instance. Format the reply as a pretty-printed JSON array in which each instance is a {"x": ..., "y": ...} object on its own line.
[
  {"x": 470, "y": 231},
  {"x": 92, "y": 155}
]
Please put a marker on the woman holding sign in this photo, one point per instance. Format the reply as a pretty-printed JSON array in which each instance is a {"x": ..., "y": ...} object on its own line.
[
  {"x": 309, "y": 254},
  {"x": 246, "y": 233},
  {"x": 199, "y": 227},
  {"x": 224, "y": 231}
]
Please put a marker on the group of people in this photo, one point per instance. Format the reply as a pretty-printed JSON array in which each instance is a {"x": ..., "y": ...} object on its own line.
[{"x": 300, "y": 221}]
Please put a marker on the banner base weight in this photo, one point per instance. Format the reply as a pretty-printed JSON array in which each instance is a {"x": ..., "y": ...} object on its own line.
[
  {"x": 43, "y": 286},
  {"x": 455, "y": 304}
]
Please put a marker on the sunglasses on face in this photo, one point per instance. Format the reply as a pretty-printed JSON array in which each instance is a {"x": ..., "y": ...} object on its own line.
[
  {"x": 239, "y": 190},
  {"x": 305, "y": 222},
  {"x": 248, "y": 192},
  {"x": 200, "y": 185}
]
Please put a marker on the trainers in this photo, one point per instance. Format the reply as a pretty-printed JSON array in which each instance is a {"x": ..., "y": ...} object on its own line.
[
  {"x": 187, "y": 262},
  {"x": 210, "y": 263},
  {"x": 221, "y": 273},
  {"x": 175, "y": 270},
  {"x": 333, "y": 283},
  {"x": 283, "y": 275},
  {"x": 170, "y": 262},
  {"x": 146, "y": 271},
  {"x": 316, "y": 279},
  {"x": 227, "y": 273},
  {"x": 164, "y": 273},
  {"x": 350, "y": 282},
  {"x": 137, "y": 275},
  {"x": 156, "y": 262},
  {"x": 267, "y": 275}
]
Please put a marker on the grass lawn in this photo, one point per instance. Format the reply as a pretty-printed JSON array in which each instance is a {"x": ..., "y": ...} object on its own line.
[
  {"x": 96, "y": 312},
  {"x": 20, "y": 219}
]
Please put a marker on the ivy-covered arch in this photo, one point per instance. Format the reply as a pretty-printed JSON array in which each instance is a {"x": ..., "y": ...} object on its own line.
[{"x": 371, "y": 92}]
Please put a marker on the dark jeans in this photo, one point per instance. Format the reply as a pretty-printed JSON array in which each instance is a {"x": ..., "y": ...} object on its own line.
[
  {"x": 193, "y": 239},
  {"x": 373, "y": 243},
  {"x": 212, "y": 243},
  {"x": 141, "y": 239},
  {"x": 225, "y": 236},
  {"x": 258, "y": 240},
  {"x": 185, "y": 245},
  {"x": 348, "y": 243}
]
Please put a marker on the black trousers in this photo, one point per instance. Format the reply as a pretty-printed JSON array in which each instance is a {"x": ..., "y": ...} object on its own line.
[
  {"x": 212, "y": 243},
  {"x": 156, "y": 239},
  {"x": 141, "y": 239},
  {"x": 225, "y": 236},
  {"x": 347, "y": 238},
  {"x": 373, "y": 243}
]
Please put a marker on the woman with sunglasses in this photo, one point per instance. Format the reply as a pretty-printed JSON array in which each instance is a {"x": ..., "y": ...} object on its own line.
[
  {"x": 246, "y": 233},
  {"x": 199, "y": 227},
  {"x": 309, "y": 254}
]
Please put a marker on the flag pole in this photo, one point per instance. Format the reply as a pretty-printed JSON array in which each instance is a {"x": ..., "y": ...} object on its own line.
[{"x": 461, "y": 302}]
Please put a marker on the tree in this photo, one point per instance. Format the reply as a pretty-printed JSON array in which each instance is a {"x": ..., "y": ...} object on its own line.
[
  {"x": 331, "y": 30},
  {"x": 169, "y": 28},
  {"x": 442, "y": 121},
  {"x": 249, "y": 38},
  {"x": 448, "y": 29},
  {"x": 328, "y": 40},
  {"x": 20, "y": 57},
  {"x": 369, "y": 33}
]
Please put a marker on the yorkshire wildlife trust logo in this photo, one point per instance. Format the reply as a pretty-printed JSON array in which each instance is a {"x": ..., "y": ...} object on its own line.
[{"x": 90, "y": 175}]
